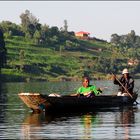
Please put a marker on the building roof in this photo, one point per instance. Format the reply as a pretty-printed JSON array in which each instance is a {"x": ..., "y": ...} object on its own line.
[{"x": 82, "y": 32}]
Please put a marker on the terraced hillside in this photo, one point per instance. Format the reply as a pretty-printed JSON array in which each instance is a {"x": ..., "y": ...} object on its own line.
[{"x": 27, "y": 61}]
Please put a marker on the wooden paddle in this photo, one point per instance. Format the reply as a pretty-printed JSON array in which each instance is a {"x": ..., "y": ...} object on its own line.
[{"x": 123, "y": 86}]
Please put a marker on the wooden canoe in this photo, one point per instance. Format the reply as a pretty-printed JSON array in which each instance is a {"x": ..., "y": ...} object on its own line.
[{"x": 39, "y": 102}]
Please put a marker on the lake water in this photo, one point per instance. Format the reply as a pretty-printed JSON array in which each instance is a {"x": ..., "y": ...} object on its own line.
[{"x": 18, "y": 122}]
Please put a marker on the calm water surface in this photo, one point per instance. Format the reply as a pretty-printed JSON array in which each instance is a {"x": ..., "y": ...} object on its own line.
[{"x": 18, "y": 122}]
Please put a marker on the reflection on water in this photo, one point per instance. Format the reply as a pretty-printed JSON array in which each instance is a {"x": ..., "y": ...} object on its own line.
[
  {"x": 89, "y": 120},
  {"x": 83, "y": 126},
  {"x": 32, "y": 125},
  {"x": 3, "y": 100},
  {"x": 3, "y": 95},
  {"x": 127, "y": 116},
  {"x": 126, "y": 120}
]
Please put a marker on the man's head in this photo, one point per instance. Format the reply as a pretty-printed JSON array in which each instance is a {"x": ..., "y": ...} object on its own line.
[
  {"x": 85, "y": 81},
  {"x": 125, "y": 72}
]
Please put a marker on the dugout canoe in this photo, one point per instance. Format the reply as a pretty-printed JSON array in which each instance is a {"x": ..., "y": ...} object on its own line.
[{"x": 39, "y": 102}]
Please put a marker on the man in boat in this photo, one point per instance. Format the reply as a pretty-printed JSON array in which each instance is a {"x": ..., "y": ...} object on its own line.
[
  {"x": 88, "y": 90},
  {"x": 126, "y": 83}
]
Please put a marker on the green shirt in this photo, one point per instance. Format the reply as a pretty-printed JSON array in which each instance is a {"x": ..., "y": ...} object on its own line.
[{"x": 87, "y": 90}]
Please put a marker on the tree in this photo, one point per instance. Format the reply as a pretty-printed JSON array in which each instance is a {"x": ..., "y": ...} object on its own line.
[
  {"x": 137, "y": 42},
  {"x": 131, "y": 38},
  {"x": 53, "y": 31},
  {"x": 31, "y": 30},
  {"x": 28, "y": 18},
  {"x": 125, "y": 41},
  {"x": 65, "y": 26},
  {"x": 21, "y": 59},
  {"x": 29, "y": 23},
  {"x": 61, "y": 48},
  {"x": 115, "y": 39},
  {"x": 132, "y": 35},
  {"x": 37, "y": 37},
  {"x": 11, "y": 29},
  {"x": 3, "y": 50}
]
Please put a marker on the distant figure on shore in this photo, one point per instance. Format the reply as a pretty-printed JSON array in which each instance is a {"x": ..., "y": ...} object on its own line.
[{"x": 125, "y": 82}]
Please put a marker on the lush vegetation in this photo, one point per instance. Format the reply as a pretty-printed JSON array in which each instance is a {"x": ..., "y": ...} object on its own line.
[
  {"x": 2, "y": 51},
  {"x": 40, "y": 52}
]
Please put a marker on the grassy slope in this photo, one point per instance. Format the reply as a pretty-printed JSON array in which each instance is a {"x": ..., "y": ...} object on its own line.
[{"x": 47, "y": 64}]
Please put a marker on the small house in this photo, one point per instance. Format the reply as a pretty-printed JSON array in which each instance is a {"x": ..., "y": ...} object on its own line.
[
  {"x": 133, "y": 62},
  {"x": 82, "y": 35}
]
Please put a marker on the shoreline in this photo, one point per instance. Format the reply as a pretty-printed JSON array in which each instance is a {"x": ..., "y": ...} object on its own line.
[{"x": 11, "y": 78}]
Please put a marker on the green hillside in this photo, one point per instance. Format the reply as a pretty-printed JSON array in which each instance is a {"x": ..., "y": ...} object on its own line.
[{"x": 27, "y": 61}]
